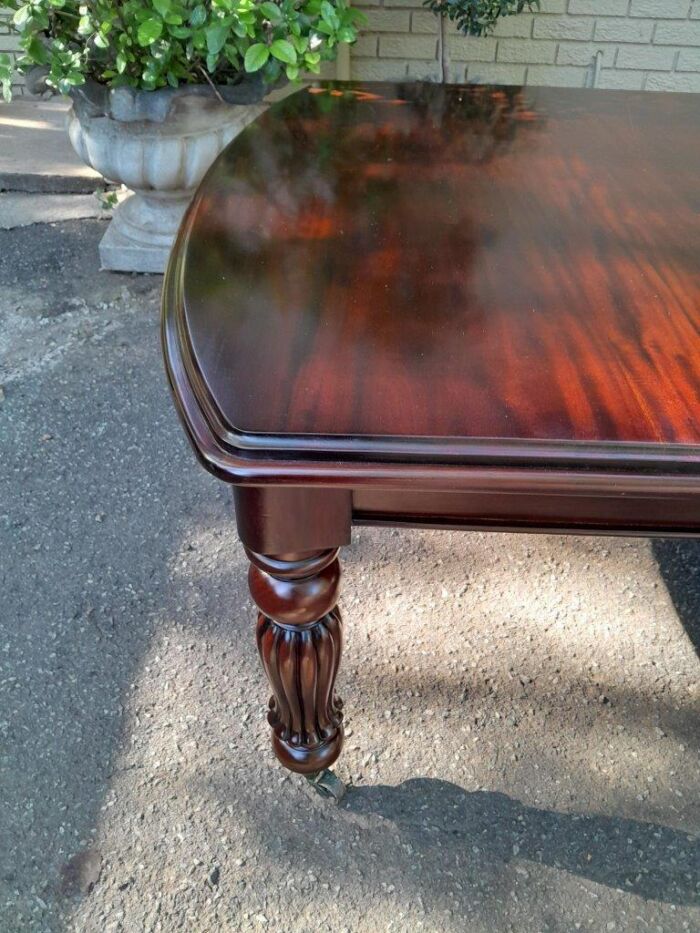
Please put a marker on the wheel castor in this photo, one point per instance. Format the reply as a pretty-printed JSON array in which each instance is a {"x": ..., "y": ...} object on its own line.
[{"x": 327, "y": 784}]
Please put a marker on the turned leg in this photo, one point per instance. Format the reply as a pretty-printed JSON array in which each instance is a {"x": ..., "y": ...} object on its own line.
[{"x": 299, "y": 636}]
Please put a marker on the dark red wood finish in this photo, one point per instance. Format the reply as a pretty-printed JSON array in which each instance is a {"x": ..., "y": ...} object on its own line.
[
  {"x": 442, "y": 306},
  {"x": 451, "y": 262},
  {"x": 300, "y": 638}
]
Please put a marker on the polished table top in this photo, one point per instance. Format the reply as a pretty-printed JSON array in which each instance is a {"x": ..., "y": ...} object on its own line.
[
  {"x": 413, "y": 270},
  {"x": 464, "y": 307}
]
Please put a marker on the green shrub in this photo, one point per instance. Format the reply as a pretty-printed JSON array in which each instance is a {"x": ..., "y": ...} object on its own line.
[{"x": 155, "y": 43}]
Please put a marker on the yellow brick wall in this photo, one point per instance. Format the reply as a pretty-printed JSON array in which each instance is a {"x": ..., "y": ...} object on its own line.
[{"x": 643, "y": 44}]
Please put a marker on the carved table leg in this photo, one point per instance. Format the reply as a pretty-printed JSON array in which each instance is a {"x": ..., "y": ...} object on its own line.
[{"x": 299, "y": 637}]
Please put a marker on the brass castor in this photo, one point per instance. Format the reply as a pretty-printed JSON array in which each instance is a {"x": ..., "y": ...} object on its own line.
[{"x": 327, "y": 784}]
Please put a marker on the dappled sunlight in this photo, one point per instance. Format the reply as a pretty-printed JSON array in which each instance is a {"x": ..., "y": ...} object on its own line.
[
  {"x": 493, "y": 629},
  {"x": 26, "y": 124},
  {"x": 34, "y": 147},
  {"x": 592, "y": 604},
  {"x": 506, "y": 732}
]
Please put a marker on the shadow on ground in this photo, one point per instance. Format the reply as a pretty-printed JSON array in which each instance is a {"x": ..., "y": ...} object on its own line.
[
  {"x": 100, "y": 498},
  {"x": 679, "y": 564},
  {"x": 481, "y": 829},
  {"x": 86, "y": 543}
]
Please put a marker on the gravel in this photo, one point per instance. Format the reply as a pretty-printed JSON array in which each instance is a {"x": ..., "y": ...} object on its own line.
[{"x": 523, "y": 711}]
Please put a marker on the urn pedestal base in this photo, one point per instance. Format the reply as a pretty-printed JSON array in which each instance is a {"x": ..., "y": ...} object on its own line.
[{"x": 142, "y": 231}]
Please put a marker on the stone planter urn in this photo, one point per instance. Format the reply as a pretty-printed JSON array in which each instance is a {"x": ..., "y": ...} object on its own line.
[{"x": 159, "y": 144}]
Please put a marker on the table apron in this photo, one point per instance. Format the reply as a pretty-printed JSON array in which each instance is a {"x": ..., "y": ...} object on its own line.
[{"x": 671, "y": 515}]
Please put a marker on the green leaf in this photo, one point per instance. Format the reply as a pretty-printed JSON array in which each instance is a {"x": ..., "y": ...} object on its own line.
[
  {"x": 149, "y": 31},
  {"x": 6, "y": 77},
  {"x": 163, "y": 7},
  {"x": 232, "y": 55},
  {"x": 216, "y": 38},
  {"x": 347, "y": 34},
  {"x": 198, "y": 16},
  {"x": 21, "y": 16},
  {"x": 270, "y": 11},
  {"x": 256, "y": 56},
  {"x": 37, "y": 51},
  {"x": 329, "y": 15},
  {"x": 284, "y": 51},
  {"x": 72, "y": 79}
]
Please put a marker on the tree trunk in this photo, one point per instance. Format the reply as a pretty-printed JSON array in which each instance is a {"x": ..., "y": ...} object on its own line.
[{"x": 443, "y": 51}]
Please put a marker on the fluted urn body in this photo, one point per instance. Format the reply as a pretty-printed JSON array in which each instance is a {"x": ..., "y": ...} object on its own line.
[{"x": 159, "y": 144}]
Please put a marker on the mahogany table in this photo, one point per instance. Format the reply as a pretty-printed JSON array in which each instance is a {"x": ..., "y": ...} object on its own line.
[{"x": 455, "y": 307}]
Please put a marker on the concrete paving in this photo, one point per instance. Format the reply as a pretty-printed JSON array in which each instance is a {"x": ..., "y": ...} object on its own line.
[
  {"x": 35, "y": 152},
  {"x": 18, "y": 209},
  {"x": 523, "y": 711}
]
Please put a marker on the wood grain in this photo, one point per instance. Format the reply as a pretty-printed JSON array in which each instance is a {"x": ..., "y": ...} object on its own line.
[
  {"x": 399, "y": 262},
  {"x": 509, "y": 273}
]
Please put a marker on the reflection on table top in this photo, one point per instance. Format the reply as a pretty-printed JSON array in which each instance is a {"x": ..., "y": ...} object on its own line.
[{"x": 412, "y": 261}]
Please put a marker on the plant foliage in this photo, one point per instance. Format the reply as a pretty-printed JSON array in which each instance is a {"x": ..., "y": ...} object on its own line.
[
  {"x": 479, "y": 17},
  {"x": 155, "y": 43}
]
